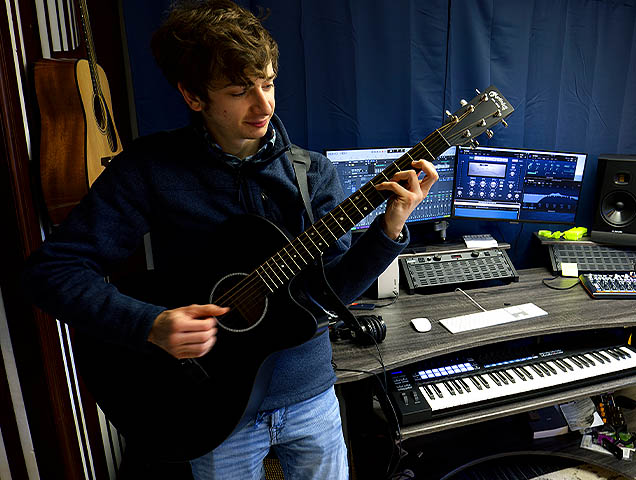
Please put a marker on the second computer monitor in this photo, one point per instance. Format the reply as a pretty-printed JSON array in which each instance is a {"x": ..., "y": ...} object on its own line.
[
  {"x": 508, "y": 184},
  {"x": 357, "y": 166}
]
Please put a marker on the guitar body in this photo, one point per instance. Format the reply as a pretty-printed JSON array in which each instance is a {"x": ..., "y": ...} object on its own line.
[
  {"x": 78, "y": 134},
  {"x": 170, "y": 409}
]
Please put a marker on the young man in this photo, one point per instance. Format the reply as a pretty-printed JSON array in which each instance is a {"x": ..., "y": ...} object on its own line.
[{"x": 181, "y": 187}]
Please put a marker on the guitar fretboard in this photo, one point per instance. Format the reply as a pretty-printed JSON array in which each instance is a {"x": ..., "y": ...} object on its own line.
[{"x": 313, "y": 242}]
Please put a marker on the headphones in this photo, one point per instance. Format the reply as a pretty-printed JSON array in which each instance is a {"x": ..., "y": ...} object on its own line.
[{"x": 361, "y": 329}]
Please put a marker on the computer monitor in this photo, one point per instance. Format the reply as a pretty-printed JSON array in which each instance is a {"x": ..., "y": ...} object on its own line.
[
  {"x": 517, "y": 185},
  {"x": 357, "y": 166}
]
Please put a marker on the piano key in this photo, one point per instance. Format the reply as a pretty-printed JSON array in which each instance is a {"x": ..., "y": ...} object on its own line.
[
  {"x": 537, "y": 370},
  {"x": 476, "y": 382}
]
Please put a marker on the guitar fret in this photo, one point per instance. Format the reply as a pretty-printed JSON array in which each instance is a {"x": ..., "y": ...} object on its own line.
[
  {"x": 430, "y": 155},
  {"x": 314, "y": 243},
  {"x": 321, "y": 237},
  {"x": 343, "y": 211},
  {"x": 303, "y": 258},
  {"x": 281, "y": 269},
  {"x": 356, "y": 207},
  {"x": 264, "y": 281},
  {"x": 268, "y": 275},
  {"x": 322, "y": 221},
  {"x": 269, "y": 263},
  {"x": 305, "y": 246},
  {"x": 292, "y": 259},
  {"x": 344, "y": 230}
]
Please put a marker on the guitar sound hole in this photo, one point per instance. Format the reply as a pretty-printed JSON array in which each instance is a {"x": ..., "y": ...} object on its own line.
[
  {"x": 248, "y": 308},
  {"x": 99, "y": 112}
]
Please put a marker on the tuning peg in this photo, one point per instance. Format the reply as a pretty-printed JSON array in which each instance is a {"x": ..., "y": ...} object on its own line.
[
  {"x": 448, "y": 113},
  {"x": 467, "y": 134},
  {"x": 489, "y": 133},
  {"x": 504, "y": 123},
  {"x": 463, "y": 102},
  {"x": 475, "y": 142},
  {"x": 478, "y": 92},
  {"x": 482, "y": 123}
]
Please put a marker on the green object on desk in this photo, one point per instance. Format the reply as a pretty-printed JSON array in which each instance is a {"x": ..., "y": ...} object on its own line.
[{"x": 575, "y": 233}]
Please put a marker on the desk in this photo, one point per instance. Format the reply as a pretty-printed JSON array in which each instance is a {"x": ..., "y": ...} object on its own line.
[{"x": 568, "y": 310}]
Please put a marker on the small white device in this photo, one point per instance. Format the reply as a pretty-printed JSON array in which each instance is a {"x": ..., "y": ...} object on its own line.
[{"x": 421, "y": 324}]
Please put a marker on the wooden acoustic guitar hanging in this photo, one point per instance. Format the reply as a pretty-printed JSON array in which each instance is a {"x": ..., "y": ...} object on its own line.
[{"x": 78, "y": 134}]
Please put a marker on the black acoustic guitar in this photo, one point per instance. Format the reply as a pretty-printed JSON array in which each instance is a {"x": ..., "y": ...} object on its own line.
[{"x": 178, "y": 410}]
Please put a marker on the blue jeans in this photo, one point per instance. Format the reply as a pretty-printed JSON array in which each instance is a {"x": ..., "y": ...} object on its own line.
[{"x": 306, "y": 437}]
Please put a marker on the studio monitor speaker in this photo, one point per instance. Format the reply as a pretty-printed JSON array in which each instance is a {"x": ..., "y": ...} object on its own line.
[{"x": 615, "y": 214}]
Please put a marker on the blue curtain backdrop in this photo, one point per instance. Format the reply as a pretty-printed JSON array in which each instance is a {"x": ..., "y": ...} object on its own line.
[{"x": 363, "y": 73}]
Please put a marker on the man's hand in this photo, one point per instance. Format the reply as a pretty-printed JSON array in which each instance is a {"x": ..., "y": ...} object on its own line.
[
  {"x": 186, "y": 332},
  {"x": 409, "y": 192}
]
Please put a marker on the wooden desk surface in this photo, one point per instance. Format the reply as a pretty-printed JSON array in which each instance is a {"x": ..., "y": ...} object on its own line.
[{"x": 568, "y": 310}]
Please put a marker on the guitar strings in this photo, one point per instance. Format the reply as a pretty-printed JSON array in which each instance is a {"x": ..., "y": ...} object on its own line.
[
  {"x": 251, "y": 284},
  {"x": 247, "y": 287}
]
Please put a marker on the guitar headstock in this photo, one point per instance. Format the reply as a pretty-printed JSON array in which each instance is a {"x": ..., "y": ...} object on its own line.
[{"x": 484, "y": 111}]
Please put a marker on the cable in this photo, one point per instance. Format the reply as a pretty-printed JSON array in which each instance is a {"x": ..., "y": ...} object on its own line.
[
  {"x": 393, "y": 300},
  {"x": 390, "y": 472},
  {"x": 566, "y": 287},
  {"x": 470, "y": 298}
]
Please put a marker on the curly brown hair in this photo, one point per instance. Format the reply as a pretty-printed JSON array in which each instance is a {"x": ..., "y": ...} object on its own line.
[{"x": 202, "y": 41}]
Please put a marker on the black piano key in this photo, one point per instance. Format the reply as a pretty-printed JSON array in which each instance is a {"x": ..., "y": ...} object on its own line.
[
  {"x": 519, "y": 374},
  {"x": 502, "y": 377},
  {"x": 437, "y": 390},
  {"x": 582, "y": 359},
  {"x": 457, "y": 386},
  {"x": 620, "y": 352},
  {"x": 464, "y": 384},
  {"x": 537, "y": 370},
  {"x": 550, "y": 367},
  {"x": 576, "y": 362},
  {"x": 542, "y": 367},
  {"x": 564, "y": 362},
  {"x": 613, "y": 354},
  {"x": 428, "y": 391},
  {"x": 559, "y": 363},
  {"x": 483, "y": 381},
  {"x": 449, "y": 387},
  {"x": 495, "y": 379},
  {"x": 510, "y": 378},
  {"x": 476, "y": 383},
  {"x": 604, "y": 357},
  {"x": 588, "y": 357},
  {"x": 527, "y": 372},
  {"x": 598, "y": 357},
  {"x": 625, "y": 352}
]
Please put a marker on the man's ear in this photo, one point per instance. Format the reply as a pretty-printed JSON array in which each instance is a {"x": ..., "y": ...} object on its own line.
[{"x": 193, "y": 101}]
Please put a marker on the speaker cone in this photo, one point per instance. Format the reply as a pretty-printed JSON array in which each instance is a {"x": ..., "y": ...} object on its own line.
[{"x": 618, "y": 208}]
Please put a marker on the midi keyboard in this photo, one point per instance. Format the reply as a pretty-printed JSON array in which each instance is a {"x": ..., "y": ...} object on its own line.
[{"x": 440, "y": 387}]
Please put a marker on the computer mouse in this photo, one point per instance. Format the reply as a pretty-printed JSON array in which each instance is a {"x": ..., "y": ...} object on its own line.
[{"x": 421, "y": 324}]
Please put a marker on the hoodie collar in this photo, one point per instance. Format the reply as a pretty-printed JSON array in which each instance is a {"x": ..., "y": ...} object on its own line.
[{"x": 275, "y": 142}]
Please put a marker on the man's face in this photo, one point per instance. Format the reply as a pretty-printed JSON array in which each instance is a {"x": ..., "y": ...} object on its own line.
[{"x": 237, "y": 116}]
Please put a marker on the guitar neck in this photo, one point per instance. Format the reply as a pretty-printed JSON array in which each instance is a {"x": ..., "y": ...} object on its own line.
[
  {"x": 279, "y": 269},
  {"x": 90, "y": 46}
]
